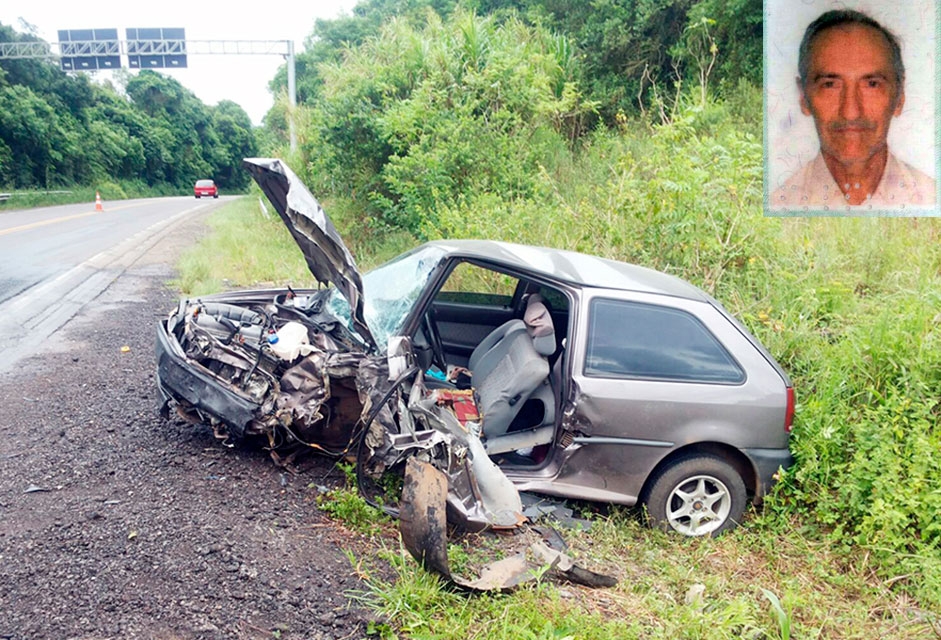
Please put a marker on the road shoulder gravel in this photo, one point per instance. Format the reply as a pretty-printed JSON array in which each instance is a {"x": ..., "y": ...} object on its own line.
[{"x": 115, "y": 523}]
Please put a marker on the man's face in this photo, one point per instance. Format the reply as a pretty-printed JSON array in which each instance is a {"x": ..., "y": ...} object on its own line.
[{"x": 851, "y": 92}]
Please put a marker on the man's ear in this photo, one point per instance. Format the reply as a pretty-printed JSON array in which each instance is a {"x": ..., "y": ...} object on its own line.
[
  {"x": 805, "y": 105},
  {"x": 899, "y": 104}
]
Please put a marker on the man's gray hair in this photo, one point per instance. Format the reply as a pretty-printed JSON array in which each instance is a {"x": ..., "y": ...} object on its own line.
[{"x": 838, "y": 18}]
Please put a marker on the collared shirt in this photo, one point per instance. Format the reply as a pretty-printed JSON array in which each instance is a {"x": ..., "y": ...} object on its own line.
[{"x": 812, "y": 187}]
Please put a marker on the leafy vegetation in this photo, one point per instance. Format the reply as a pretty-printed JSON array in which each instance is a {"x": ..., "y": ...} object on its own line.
[
  {"x": 59, "y": 130},
  {"x": 622, "y": 49},
  {"x": 415, "y": 119}
]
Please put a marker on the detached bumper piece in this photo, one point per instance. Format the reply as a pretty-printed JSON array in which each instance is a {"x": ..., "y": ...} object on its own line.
[{"x": 423, "y": 525}]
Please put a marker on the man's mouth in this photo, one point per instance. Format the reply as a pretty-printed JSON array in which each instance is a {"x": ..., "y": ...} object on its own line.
[{"x": 853, "y": 126}]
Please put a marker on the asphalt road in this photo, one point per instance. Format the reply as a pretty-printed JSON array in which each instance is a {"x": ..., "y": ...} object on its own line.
[{"x": 55, "y": 260}]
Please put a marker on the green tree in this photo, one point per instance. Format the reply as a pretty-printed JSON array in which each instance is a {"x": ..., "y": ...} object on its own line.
[
  {"x": 330, "y": 39},
  {"x": 39, "y": 143},
  {"x": 233, "y": 130},
  {"x": 737, "y": 33},
  {"x": 122, "y": 130},
  {"x": 185, "y": 142}
]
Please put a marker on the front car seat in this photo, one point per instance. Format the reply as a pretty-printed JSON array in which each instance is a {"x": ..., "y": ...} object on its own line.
[{"x": 515, "y": 365}]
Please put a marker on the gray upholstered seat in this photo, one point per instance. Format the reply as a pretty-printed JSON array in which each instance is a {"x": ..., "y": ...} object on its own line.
[
  {"x": 512, "y": 367},
  {"x": 479, "y": 363}
]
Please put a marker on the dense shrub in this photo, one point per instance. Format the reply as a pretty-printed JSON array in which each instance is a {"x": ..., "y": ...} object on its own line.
[{"x": 418, "y": 117}]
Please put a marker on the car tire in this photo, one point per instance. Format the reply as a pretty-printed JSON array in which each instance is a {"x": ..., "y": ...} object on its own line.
[
  {"x": 197, "y": 197},
  {"x": 696, "y": 496},
  {"x": 215, "y": 196}
]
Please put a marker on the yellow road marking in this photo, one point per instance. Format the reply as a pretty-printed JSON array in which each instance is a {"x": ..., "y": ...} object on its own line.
[{"x": 42, "y": 223}]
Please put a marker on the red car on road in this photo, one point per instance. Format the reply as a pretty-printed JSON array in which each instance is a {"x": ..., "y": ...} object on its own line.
[{"x": 205, "y": 188}]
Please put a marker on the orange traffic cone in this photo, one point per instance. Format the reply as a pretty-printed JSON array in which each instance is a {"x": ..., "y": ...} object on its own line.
[{"x": 98, "y": 206}]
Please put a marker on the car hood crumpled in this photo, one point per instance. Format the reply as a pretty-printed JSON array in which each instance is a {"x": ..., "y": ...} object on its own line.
[{"x": 327, "y": 256}]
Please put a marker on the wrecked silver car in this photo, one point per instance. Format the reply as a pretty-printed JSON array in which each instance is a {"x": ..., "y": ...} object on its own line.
[{"x": 485, "y": 369}]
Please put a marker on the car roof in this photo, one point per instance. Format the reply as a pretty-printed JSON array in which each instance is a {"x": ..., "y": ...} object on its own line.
[{"x": 571, "y": 267}]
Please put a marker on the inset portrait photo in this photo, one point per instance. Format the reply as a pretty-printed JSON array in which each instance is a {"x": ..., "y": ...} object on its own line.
[{"x": 851, "y": 108}]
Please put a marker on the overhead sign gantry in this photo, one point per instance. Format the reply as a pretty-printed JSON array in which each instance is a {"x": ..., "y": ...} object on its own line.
[
  {"x": 89, "y": 49},
  {"x": 156, "y": 48}
]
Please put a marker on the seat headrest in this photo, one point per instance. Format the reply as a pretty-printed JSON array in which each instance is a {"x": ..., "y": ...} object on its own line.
[{"x": 539, "y": 325}]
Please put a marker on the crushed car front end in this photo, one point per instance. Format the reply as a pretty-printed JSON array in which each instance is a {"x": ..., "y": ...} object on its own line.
[{"x": 262, "y": 363}]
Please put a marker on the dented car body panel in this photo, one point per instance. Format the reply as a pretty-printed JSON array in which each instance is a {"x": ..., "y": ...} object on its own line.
[
  {"x": 593, "y": 378},
  {"x": 659, "y": 418}
]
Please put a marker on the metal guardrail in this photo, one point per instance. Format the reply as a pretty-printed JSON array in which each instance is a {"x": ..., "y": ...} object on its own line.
[{"x": 7, "y": 196}]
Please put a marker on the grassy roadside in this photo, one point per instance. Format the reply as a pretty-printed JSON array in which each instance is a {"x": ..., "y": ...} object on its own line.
[
  {"x": 749, "y": 584},
  {"x": 776, "y": 577},
  {"x": 249, "y": 246}
]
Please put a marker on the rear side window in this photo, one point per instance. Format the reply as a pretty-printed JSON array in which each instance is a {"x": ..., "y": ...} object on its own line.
[{"x": 635, "y": 340}]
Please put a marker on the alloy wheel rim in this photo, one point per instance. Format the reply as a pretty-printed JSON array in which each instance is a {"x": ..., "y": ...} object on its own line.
[{"x": 698, "y": 505}]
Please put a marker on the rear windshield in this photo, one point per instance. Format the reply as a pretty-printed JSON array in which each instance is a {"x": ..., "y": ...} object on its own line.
[{"x": 204, "y": 183}]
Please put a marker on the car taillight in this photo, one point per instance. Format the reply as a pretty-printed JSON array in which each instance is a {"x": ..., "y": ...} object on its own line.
[{"x": 789, "y": 412}]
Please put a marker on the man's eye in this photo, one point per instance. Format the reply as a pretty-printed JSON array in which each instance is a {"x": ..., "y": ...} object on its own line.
[
  {"x": 827, "y": 84},
  {"x": 874, "y": 84}
]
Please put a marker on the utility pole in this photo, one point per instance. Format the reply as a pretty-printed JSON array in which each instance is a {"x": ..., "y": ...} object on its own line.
[{"x": 292, "y": 95}]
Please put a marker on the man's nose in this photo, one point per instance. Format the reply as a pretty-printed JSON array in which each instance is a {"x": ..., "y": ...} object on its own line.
[{"x": 851, "y": 106}]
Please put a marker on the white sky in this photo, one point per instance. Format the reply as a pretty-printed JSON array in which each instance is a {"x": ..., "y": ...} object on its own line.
[{"x": 240, "y": 78}]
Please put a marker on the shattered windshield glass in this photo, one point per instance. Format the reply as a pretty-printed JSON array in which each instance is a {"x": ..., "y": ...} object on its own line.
[{"x": 390, "y": 292}]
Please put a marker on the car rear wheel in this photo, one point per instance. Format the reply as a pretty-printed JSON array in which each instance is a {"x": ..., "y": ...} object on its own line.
[{"x": 696, "y": 496}]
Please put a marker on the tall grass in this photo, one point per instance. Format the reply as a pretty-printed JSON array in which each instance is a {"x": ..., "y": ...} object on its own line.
[{"x": 249, "y": 246}]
